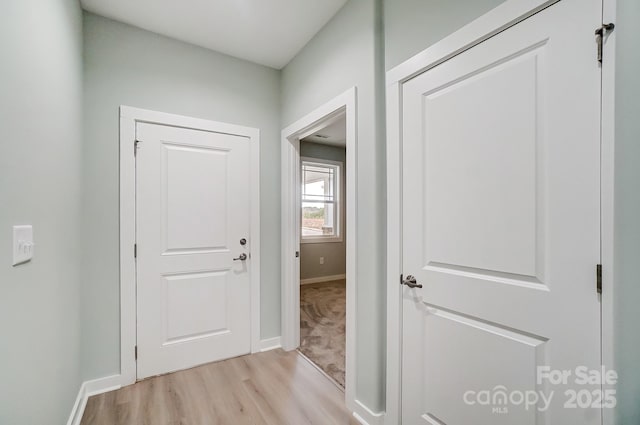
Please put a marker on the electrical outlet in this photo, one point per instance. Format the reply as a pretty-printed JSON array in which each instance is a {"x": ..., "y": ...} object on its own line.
[{"x": 321, "y": 260}]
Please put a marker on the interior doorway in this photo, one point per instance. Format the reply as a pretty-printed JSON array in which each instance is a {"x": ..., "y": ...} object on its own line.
[
  {"x": 323, "y": 248},
  {"x": 318, "y": 235}
]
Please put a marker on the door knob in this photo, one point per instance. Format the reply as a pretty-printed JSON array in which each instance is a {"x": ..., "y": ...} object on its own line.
[
  {"x": 411, "y": 282},
  {"x": 242, "y": 257}
]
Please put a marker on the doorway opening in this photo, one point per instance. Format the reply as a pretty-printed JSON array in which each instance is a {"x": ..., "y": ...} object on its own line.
[
  {"x": 323, "y": 248},
  {"x": 318, "y": 239}
]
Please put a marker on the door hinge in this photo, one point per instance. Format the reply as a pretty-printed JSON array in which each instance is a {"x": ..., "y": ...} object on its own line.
[
  {"x": 401, "y": 278},
  {"x": 600, "y": 33},
  {"x": 136, "y": 352},
  {"x": 135, "y": 147},
  {"x": 599, "y": 278},
  {"x": 135, "y": 250}
]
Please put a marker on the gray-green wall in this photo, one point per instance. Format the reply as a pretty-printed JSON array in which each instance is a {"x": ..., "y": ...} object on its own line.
[
  {"x": 627, "y": 211},
  {"x": 347, "y": 52},
  {"x": 411, "y": 26},
  {"x": 334, "y": 253},
  {"x": 127, "y": 66},
  {"x": 40, "y": 165}
]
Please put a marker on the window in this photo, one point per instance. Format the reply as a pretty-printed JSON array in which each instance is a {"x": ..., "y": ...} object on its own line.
[{"x": 321, "y": 208}]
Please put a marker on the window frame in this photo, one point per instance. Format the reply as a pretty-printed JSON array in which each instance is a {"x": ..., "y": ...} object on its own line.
[{"x": 338, "y": 204}]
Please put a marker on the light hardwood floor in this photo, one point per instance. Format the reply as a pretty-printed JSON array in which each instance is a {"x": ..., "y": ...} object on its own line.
[{"x": 275, "y": 387}]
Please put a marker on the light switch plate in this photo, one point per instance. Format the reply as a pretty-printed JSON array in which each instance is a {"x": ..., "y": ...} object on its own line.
[{"x": 22, "y": 244}]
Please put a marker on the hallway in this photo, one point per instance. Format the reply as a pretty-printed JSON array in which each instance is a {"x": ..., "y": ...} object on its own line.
[{"x": 376, "y": 212}]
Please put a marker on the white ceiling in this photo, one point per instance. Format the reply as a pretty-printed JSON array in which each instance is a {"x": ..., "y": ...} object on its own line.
[
  {"x": 335, "y": 134},
  {"x": 268, "y": 32}
]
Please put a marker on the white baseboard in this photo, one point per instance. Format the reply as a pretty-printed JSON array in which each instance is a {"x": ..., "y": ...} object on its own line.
[
  {"x": 270, "y": 344},
  {"x": 322, "y": 279},
  {"x": 78, "y": 407},
  {"x": 366, "y": 416},
  {"x": 89, "y": 388}
]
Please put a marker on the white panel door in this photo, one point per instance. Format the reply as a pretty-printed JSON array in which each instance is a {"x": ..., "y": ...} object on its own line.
[
  {"x": 193, "y": 209},
  {"x": 501, "y": 216}
]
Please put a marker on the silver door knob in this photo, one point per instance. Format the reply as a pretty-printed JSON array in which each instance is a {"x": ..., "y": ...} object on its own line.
[
  {"x": 411, "y": 282},
  {"x": 242, "y": 257}
]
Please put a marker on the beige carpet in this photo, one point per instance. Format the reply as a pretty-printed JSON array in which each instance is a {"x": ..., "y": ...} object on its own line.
[{"x": 322, "y": 326}]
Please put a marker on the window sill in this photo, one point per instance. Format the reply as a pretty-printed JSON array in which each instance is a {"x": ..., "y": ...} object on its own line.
[{"x": 331, "y": 239}]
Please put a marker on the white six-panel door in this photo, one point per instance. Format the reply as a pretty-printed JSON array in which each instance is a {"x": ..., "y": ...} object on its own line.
[
  {"x": 193, "y": 209},
  {"x": 500, "y": 220}
]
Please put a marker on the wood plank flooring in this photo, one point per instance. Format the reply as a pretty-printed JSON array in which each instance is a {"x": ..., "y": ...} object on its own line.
[{"x": 274, "y": 387}]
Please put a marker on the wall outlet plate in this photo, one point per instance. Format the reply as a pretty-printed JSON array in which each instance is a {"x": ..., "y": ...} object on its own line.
[{"x": 23, "y": 247}]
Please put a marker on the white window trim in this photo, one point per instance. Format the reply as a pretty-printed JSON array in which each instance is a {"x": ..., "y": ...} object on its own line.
[{"x": 340, "y": 216}]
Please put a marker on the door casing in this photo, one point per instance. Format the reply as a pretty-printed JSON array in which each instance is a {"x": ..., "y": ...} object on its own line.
[
  {"x": 504, "y": 16},
  {"x": 129, "y": 117},
  {"x": 290, "y": 149}
]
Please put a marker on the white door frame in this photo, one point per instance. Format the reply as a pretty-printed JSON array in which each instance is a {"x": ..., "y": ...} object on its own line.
[
  {"x": 495, "y": 21},
  {"x": 129, "y": 117},
  {"x": 607, "y": 180},
  {"x": 345, "y": 103}
]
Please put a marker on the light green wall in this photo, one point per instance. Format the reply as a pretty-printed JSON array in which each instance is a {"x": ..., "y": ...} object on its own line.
[
  {"x": 40, "y": 165},
  {"x": 347, "y": 53},
  {"x": 413, "y": 25},
  {"x": 129, "y": 66},
  {"x": 627, "y": 215},
  {"x": 334, "y": 253}
]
